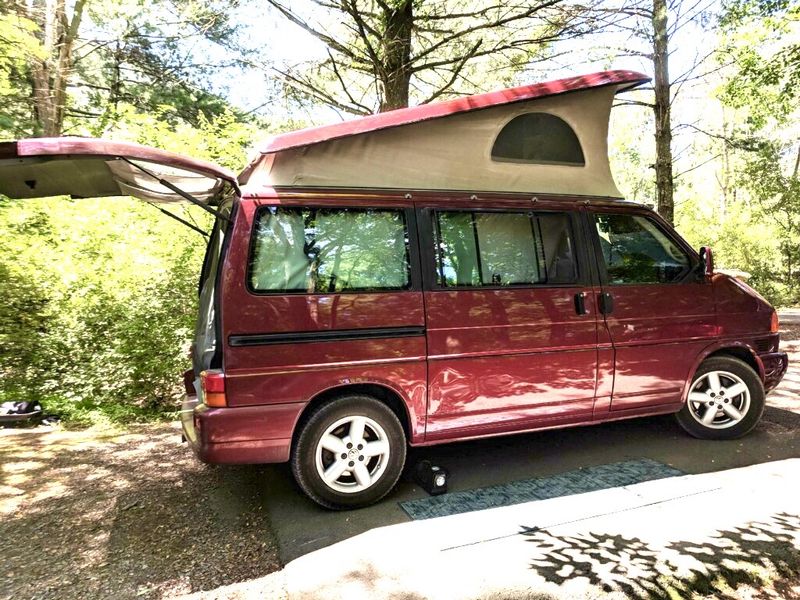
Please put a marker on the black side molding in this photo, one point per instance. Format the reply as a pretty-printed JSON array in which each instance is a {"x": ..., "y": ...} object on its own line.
[{"x": 263, "y": 339}]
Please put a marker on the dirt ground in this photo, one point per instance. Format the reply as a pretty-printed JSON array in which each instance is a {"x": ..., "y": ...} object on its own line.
[
  {"x": 132, "y": 514},
  {"x": 93, "y": 514}
]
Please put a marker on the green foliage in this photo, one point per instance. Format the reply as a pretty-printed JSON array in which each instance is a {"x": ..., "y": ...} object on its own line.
[
  {"x": 122, "y": 53},
  {"x": 742, "y": 240},
  {"x": 224, "y": 139},
  {"x": 102, "y": 300},
  {"x": 776, "y": 189},
  {"x": 632, "y": 155},
  {"x": 763, "y": 89},
  {"x": 17, "y": 46},
  {"x": 100, "y": 295},
  {"x": 761, "y": 37}
]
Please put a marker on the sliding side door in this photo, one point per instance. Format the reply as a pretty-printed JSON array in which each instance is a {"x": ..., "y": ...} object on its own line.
[{"x": 512, "y": 339}]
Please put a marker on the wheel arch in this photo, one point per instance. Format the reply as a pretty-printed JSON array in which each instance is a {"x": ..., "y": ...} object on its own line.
[
  {"x": 740, "y": 350},
  {"x": 382, "y": 392}
]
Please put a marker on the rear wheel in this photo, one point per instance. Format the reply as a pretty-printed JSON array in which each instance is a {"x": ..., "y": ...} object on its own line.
[
  {"x": 349, "y": 452},
  {"x": 725, "y": 401}
]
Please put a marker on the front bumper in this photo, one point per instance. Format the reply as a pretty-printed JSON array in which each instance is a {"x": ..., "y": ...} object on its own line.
[
  {"x": 775, "y": 365},
  {"x": 239, "y": 435}
]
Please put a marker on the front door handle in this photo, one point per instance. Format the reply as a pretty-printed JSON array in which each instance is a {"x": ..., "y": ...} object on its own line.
[
  {"x": 580, "y": 303},
  {"x": 605, "y": 303}
]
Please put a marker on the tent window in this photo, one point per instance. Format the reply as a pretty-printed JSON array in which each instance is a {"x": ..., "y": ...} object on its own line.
[{"x": 538, "y": 138}]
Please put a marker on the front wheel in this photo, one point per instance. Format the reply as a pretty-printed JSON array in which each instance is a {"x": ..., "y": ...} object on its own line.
[
  {"x": 349, "y": 452},
  {"x": 725, "y": 401}
]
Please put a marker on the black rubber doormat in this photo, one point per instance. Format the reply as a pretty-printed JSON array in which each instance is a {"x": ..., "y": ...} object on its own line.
[{"x": 580, "y": 481}]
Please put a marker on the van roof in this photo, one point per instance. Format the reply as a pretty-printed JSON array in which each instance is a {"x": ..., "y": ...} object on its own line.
[
  {"x": 449, "y": 145},
  {"x": 436, "y": 110}
]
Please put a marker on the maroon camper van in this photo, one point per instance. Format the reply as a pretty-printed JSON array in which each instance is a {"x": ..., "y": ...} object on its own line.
[{"x": 447, "y": 272}]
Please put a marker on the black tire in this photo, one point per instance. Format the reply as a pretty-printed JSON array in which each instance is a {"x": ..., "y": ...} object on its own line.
[
  {"x": 755, "y": 408},
  {"x": 304, "y": 452}
]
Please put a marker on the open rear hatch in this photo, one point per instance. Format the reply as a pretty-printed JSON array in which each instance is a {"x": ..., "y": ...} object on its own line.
[{"x": 92, "y": 168}]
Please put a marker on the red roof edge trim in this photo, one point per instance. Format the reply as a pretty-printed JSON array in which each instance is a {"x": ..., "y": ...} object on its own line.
[{"x": 426, "y": 112}]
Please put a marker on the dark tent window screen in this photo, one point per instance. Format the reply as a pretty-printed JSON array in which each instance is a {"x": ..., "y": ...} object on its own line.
[{"x": 538, "y": 138}]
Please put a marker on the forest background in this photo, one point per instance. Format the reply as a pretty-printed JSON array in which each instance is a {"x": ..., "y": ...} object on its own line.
[{"x": 99, "y": 296}]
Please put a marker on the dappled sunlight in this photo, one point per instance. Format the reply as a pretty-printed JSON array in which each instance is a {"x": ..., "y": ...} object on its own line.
[
  {"x": 133, "y": 509},
  {"x": 786, "y": 397},
  {"x": 89, "y": 513},
  {"x": 751, "y": 555},
  {"x": 8, "y": 490},
  {"x": 787, "y": 394},
  {"x": 80, "y": 456},
  {"x": 21, "y": 466},
  {"x": 22, "y": 453},
  {"x": 53, "y": 489},
  {"x": 17, "y": 478}
]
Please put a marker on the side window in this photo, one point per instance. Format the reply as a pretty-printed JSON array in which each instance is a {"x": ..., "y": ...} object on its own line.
[
  {"x": 328, "y": 250},
  {"x": 635, "y": 250},
  {"x": 475, "y": 249}
]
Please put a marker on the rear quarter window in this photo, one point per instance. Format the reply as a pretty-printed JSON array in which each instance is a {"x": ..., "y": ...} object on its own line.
[{"x": 329, "y": 250}]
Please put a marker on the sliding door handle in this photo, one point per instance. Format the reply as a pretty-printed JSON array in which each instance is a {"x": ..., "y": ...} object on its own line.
[
  {"x": 605, "y": 303},
  {"x": 580, "y": 303}
]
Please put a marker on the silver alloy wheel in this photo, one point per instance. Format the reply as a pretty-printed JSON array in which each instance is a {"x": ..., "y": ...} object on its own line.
[
  {"x": 352, "y": 454},
  {"x": 719, "y": 399}
]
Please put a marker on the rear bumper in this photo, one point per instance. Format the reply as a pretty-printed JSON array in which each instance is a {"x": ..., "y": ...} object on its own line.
[
  {"x": 240, "y": 435},
  {"x": 775, "y": 365}
]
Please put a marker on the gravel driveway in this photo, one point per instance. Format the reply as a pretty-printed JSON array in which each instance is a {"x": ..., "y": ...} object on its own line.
[{"x": 99, "y": 514}]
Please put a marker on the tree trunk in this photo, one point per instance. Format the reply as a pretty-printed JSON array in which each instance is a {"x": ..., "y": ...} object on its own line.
[
  {"x": 396, "y": 69},
  {"x": 664, "y": 183},
  {"x": 51, "y": 75}
]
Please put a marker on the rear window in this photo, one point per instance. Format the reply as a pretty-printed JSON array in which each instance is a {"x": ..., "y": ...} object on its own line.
[
  {"x": 476, "y": 249},
  {"x": 329, "y": 250}
]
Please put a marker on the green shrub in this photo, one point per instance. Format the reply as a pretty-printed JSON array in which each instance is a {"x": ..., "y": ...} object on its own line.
[{"x": 99, "y": 307}]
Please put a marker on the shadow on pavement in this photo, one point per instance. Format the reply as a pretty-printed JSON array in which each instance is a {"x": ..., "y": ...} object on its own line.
[{"x": 756, "y": 554}]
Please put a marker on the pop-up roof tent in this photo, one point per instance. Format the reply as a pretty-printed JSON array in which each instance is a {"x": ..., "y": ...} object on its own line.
[{"x": 546, "y": 138}]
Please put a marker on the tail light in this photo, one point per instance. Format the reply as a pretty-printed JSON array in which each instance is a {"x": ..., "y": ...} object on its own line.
[
  {"x": 774, "y": 324},
  {"x": 213, "y": 383}
]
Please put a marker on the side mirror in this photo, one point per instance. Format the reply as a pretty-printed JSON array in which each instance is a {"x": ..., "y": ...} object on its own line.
[{"x": 708, "y": 261}]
